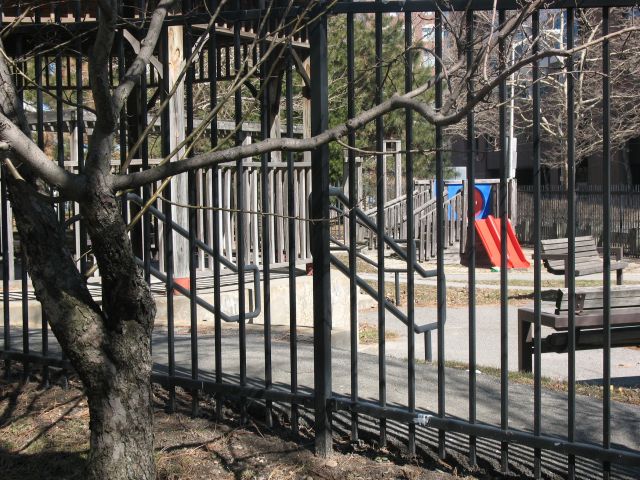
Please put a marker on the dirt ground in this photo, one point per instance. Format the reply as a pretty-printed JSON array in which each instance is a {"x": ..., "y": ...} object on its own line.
[{"x": 44, "y": 435}]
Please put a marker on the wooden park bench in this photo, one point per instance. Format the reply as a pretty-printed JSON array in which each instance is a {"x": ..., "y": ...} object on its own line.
[
  {"x": 555, "y": 255},
  {"x": 589, "y": 322}
]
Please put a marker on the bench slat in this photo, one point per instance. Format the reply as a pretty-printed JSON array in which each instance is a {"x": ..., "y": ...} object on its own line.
[
  {"x": 580, "y": 261},
  {"x": 587, "y": 257},
  {"x": 580, "y": 252},
  {"x": 594, "y": 319},
  {"x": 586, "y": 268},
  {"x": 552, "y": 241},
  {"x": 593, "y": 298}
]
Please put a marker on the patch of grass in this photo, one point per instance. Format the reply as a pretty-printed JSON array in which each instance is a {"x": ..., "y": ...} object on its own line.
[
  {"x": 368, "y": 334},
  {"x": 361, "y": 265},
  {"x": 426, "y": 295},
  {"x": 516, "y": 282},
  {"x": 619, "y": 394}
]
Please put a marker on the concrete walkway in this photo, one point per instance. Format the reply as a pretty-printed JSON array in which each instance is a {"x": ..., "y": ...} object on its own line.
[
  {"x": 625, "y": 362},
  {"x": 625, "y": 419}
]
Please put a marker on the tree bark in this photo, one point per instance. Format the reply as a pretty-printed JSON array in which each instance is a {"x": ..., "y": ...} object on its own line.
[
  {"x": 110, "y": 348},
  {"x": 121, "y": 412},
  {"x": 122, "y": 427}
]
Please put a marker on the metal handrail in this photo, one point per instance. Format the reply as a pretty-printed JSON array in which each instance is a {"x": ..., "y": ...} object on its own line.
[
  {"x": 207, "y": 249},
  {"x": 365, "y": 220}
]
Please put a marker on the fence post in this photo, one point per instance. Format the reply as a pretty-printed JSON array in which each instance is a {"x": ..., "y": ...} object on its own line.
[
  {"x": 464, "y": 220},
  {"x": 320, "y": 236},
  {"x": 513, "y": 200}
]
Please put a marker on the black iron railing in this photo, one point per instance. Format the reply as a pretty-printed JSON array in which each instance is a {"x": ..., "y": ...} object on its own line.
[{"x": 413, "y": 403}]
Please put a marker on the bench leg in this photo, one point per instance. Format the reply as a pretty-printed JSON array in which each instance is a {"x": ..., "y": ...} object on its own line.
[
  {"x": 525, "y": 346},
  {"x": 428, "y": 353},
  {"x": 619, "y": 277}
]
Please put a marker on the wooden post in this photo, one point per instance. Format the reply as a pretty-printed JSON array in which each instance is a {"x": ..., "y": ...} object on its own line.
[
  {"x": 306, "y": 113},
  {"x": 179, "y": 183},
  {"x": 73, "y": 157},
  {"x": 398, "y": 168},
  {"x": 10, "y": 255},
  {"x": 359, "y": 178},
  {"x": 385, "y": 186},
  {"x": 513, "y": 200},
  {"x": 464, "y": 220},
  {"x": 345, "y": 190}
]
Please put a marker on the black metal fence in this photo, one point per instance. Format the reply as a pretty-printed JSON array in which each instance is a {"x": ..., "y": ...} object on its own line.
[
  {"x": 624, "y": 215},
  {"x": 422, "y": 406}
]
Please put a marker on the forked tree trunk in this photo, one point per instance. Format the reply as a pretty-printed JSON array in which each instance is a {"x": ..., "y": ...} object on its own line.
[
  {"x": 110, "y": 347},
  {"x": 121, "y": 411}
]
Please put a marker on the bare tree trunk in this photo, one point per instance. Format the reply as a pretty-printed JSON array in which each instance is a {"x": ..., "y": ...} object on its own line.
[
  {"x": 121, "y": 411},
  {"x": 109, "y": 348},
  {"x": 122, "y": 426}
]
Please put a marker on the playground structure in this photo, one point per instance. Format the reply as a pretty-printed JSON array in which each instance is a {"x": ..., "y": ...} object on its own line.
[
  {"x": 267, "y": 216},
  {"x": 487, "y": 195}
]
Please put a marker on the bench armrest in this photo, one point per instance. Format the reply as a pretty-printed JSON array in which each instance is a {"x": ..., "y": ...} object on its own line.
[
  {"x": 559, "y": 256},
  {"x": 618, "y": 252}
]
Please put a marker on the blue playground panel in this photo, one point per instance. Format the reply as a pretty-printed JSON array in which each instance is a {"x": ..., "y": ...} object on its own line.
[{"x": 482, "y": 198}]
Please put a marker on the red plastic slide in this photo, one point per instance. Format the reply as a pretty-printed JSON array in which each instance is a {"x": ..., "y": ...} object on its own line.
[{"x": 488, "y": 230}]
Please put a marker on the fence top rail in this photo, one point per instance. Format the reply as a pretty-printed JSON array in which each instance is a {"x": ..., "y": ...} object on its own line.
[
  {"x": 585, "y": 189},
  {"x": 69, "y": 120},
  {"x": 255, "y": 164},
  {"x": 372, "y": 6}
]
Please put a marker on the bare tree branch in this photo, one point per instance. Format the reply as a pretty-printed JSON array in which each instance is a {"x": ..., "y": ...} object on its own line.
[
  {"x": 99, "y": 66},
  {"x": 28, "y": 153},
  {"x": 141, "y": 61}
]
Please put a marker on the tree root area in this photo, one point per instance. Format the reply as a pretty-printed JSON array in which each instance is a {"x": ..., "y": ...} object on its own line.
[{"x": 44, "y": 433}]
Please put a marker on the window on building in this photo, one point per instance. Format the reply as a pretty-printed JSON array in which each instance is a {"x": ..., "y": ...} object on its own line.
[
  {"x": 429, "y": 60},
  {"x": 428, "y": 33}
]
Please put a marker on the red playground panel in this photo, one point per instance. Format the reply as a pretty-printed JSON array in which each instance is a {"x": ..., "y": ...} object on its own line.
[{"x": 488, "y": 230}]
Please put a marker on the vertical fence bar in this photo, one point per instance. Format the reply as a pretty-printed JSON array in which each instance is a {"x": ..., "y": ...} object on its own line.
[
  {"x": 411, "y": 246},
  {"x": 80, "y": 128},
  {"x": 471, "y": 238},
  {"x": 320, "y": 235},
  {"x": 504, "y": 291},
  {"x": 123, "y": 130},
  {"x": 291, "y": 210},
  {"x": 572, "y": 243},
  {"x": 44, "y": 328},
  {"x": 5, "y": 268},
  {"x": 606, "y": 242},
  {"x": 60, "y": 122},
  {"x": 265, "y": 124},
  {"x": 144, "y": 154},
  {"x": 24, "y": 290},
  {"x": 239, "y": 137},
  {"x": 167, "y": 229},
  {"x": 440, "y": 221},
  {"x": 537, "y": 261},
  {"x": 353, "y": 203},
  {"x": 215, "y": 203},
  {"x": 60, "y": 127},
  {"x": 192, "y": 214},
  {"x": 59, "y": 112},
  {"x": 381, "y": 188}
]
